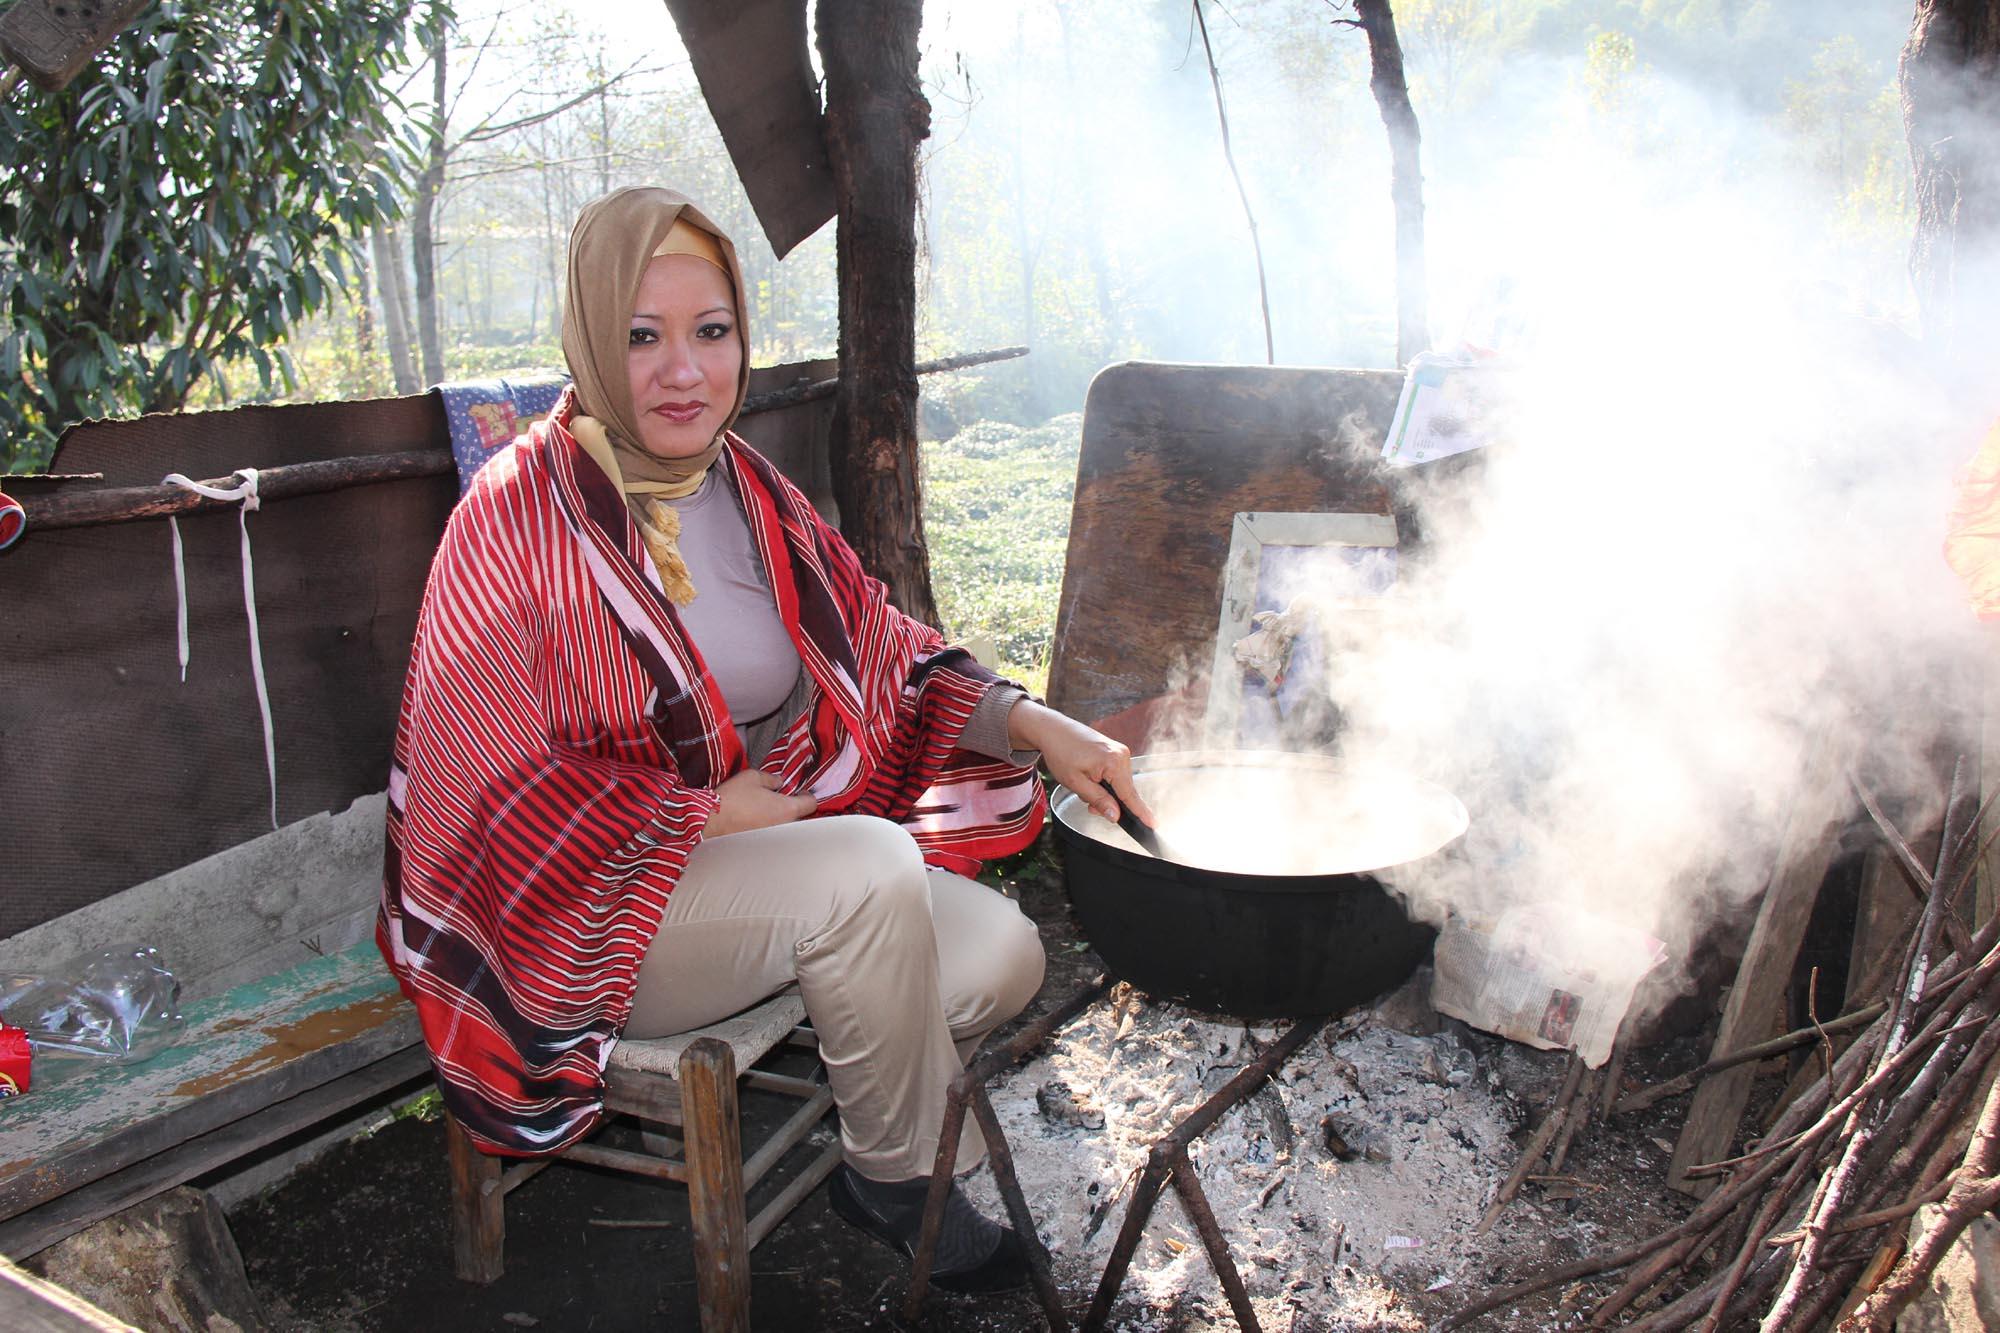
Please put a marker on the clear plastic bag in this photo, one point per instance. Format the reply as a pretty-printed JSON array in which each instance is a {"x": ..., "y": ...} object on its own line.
[{"x": 118, "y": 1005}]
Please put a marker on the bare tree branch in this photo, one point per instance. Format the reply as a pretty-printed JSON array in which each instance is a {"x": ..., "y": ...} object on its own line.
[
  {"x": 485, "y": 130},
  {"x": 1229, "y": 155}
]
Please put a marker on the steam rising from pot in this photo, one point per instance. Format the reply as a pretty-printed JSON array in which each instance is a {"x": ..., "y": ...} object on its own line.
[{"x": 1706, "y": 547}]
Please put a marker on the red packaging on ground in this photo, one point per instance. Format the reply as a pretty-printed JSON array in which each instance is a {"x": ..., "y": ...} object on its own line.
[{"x": 15, "y": 1057}]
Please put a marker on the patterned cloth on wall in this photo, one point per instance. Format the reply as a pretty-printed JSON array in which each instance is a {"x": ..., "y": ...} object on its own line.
[{"x": 486, "y": 415}]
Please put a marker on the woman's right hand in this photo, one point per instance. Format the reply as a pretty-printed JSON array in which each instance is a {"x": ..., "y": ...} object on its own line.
[{"x": 751, "y": 800}]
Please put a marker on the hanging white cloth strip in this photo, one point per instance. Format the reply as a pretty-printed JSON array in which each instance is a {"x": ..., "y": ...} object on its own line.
[{"x": 246, "y": 495}]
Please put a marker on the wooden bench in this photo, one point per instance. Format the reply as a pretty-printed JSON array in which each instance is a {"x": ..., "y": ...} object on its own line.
[{"x": 291, "y": 1019}]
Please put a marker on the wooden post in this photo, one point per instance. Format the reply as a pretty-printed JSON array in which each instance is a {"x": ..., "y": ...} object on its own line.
[
  {"x": 715, "y": 1185},
  {"x": 1951, "y": 117},
  {"x": 1754, "y": 1011},
  {"x": 1406, "y": 174},
  {"x": 478, "y": 1208},
  {"x": 876, "y": 115}
]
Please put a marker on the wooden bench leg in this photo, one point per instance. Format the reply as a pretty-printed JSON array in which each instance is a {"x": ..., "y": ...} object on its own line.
[
  {"x": 715, "y": 1185},
  {"x": 478, "y": 1208}
]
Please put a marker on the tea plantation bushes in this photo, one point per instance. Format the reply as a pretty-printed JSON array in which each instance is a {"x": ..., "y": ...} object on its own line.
[{"x": 996, "y": 516}]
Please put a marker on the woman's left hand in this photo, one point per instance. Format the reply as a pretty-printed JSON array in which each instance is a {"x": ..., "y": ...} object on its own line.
[{"x": 1089, "y": 763}]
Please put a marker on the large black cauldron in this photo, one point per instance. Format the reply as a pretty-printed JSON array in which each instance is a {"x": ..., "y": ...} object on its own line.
[{"x": 1259, "y": 922}]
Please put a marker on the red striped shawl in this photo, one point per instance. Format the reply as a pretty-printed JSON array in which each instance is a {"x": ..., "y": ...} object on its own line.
[{"x": 556, "y": 755}]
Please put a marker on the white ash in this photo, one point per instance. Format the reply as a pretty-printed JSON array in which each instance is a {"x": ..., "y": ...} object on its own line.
[{"x": 1424, "y": 1133}]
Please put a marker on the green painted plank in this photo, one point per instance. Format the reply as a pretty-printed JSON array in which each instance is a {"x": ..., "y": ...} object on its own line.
[{"x": 261, "y": 1041}]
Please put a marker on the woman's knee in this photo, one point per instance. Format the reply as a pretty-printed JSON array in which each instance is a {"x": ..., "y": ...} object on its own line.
[
  {"x": 995, "y": 979},
  {"x": 877, "y": 865},
  {"x": 1021, "y": 962}
]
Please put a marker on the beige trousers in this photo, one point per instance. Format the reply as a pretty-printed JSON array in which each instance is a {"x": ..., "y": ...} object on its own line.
[{"x": 903, "y": 970}]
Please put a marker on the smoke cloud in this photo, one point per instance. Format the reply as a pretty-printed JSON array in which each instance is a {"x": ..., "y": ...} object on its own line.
[{"x": 1705, "y": 549}]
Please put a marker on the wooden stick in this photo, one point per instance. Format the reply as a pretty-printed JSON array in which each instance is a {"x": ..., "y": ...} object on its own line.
[
  {"x": 1921, "y": 881},
  {"x": 1835, "y": 1280},
  {"x": 128, "y": 504},
  {"x": 1670, "y": 1318},
  {"x": 1749, "y": 1248},
  {"x": 1866, "y": 1120},
  {"x": 1879, "y": 1078},
  {"x": 1929, "y": 1190},
  {"x": 808, "y": 391},
  {"x": 1863, "y": 1121},
  {"x": 1646, "y": 1275},
  {"x": 1585, "y": 1099},
  {"x": 1871, "y": 1276},
  {"x": 1614, "y": 1074},
  {"x": 1869, "y": 1221},
  {"x": 1894, "y": 1098},
  {"x": 1551, "y": 1125},
  {"x": 1763, "y": 1050},
  {"x": 1904, "y": 1082},
  {"x": 1923, "y": 1112},
  {"x": 1975, "y": 1191},
  {"x": 1945, "y": 1149},
  {"x": 1763, "y": 1167},
  {"x": 1808, "y": 1073},
  {"x": 1705, "y": 1216}
]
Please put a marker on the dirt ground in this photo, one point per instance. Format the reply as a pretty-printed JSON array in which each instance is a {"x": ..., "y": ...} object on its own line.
[{"x": 359, "y": 1241}]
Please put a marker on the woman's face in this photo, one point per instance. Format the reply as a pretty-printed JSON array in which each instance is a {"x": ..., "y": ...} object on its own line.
[{"x": 683, "y": 355}]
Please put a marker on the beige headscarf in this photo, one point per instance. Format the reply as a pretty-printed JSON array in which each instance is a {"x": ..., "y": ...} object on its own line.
[{"x": 615, "y": 237}]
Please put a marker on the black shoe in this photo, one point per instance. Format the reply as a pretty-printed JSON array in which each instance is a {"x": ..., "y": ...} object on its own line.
[{"x": 893, "y": 1213}]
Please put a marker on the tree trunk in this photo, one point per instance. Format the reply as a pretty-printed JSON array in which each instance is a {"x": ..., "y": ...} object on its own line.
[
  {"x": 1229, "y": 156},
  {"x": 552, "y": 238},
  {"x": 1028, "y": 253},
  {"x": 1108, "y": 313},
  {"x": 876, "y": 115},
  {"x": 364, "y": 314},
  {"x": 1950, "y": 79},
  {"x": 395, "y": 309},
  {"x": 423, "y": 229},
  {"x": 603, "y": 138},
  {"x": 1027, "y": 246},
  {"x": 1406, "y": 174}
]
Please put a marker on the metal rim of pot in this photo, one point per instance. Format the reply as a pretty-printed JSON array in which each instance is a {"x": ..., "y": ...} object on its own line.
[{"x": 1249, "y": 945}]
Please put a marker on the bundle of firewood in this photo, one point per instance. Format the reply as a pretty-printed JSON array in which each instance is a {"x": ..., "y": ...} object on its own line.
[{"x": 1807, "y": 1228}]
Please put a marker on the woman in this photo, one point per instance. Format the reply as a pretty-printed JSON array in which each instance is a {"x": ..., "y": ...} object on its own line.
[{"x": 665, "y": 749}]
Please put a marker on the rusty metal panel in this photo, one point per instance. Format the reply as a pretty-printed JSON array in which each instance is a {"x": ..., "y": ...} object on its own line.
[
  {"x": 756, "y": 74},
  {"x": 796, "y": 439},
  {"x": 1170, "y": 454},
  {"x": 114, "y": 771}
]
